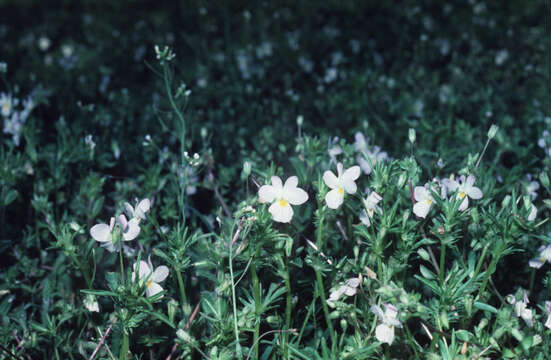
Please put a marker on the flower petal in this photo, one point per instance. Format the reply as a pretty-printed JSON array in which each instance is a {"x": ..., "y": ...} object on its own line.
[
  {"x": 470, "y": 180},
  {"x": 132, "y": 230},
  {"x": 364, "y": 164},
  {"x": 142, "y": 208},
  {"x": 385, "y": 333},
  {"x": 352, "y": 173},
  {"x": 281, "y": 213},
  {"x": 350, "y": 186},
  {"x": 153, "y": 289},
  {"x": 276, "y": 182},
  {"x": 421, "y": 209},
  {"x": 160, "y": 273},
  {"x": 129, "y": 209},
  {"x": 334, "y": 199},
  {"x": 420, "y": 193},
  {"x": 267, "y": 193},
  {"x": 377, "y": 311},
  {"x": 364, "y": 218},
  {"x": 474, "y": 192},
  {"x": 295, "y": 196},
  {"x": 465, "y": 204},
  {"x": 100, "y": 232},
  {"x": 143, "y": 270},
  {"x": 330, "y": 179},
  {"x": 291, "y": 182}
]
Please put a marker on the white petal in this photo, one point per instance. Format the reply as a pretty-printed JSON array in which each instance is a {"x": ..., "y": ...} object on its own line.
[
  {"x": 420, "y": 193},
  {"x": 421, "y": 209},
  {"x": 267, "y": 193},
  {"x": 374, "y": 198},
  {"x": 385, "y": 333},
  {"x": 295, "y": 196},
  {"x": 360, "y": 143},
  {"x": 350, "y": 291},
  {"x": 545, "y": 253},
  {"x": 276, "y": 182},
  {"x": 123, "y": 222},
  {"x": 339, "y": 170},
  {"x": 364, "y": 164},
  {"x": 350, "y": 186},
  {"x": 535, "y": 263},
  {"x": 330, "y": 179},
  {"x": 334, "y": 199},
  {"x": 281, "y": 213},
  {"x": 160, "y": 273},
  {"x": 142, "y": 208},
  {"x": 474, "y": 192},
  {"x": 291, "y": 182},
  {"x": 364, "y": 218},
  {"x": 352, "y": 173},
  {"x": 153, "y": 289},
  {"x": 129, "y": 209},
  {"x": 533, "y": 213},
  {"x": 450, "y": 184},
  {"x": 470, "y": 180},
  {"x": 109, "y": 246},
  {"x": 101, "y": 232},
  {"x": 143, "y": 271},
  {"x": 548, "y": 322},
  {"x": 354, "y": 282},
  {"x": 377, "y": 311},
  {"x": 132, "y": 230},
  {"x": 465, "y": 204}
]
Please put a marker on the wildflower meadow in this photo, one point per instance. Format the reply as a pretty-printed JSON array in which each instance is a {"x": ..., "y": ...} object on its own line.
[{"x": 275, "y": 180}]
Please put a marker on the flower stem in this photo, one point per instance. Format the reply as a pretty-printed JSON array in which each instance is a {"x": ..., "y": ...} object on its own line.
[
  {"x": 442, "y": 261},
  {"x": 124, "y": 345},
  {"x": 182, "y": 290},
  {"x": 122, "y": 263},
  {"x": 532, "y": 279},
  {"x": 320, "y": 281},
  {"x": 236, "y": 331},
  {"x": 257, "y": 309},
  {"x": 288, "y": 309}
]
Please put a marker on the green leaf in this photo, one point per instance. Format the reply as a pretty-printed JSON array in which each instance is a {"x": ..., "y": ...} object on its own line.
[
  {"x": 99, "y": 292},
  {"x": 485, "y": 307},
  {"x": 10, "y": 197}
]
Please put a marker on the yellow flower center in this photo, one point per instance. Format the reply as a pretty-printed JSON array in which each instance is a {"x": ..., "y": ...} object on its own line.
[
  {"x": 6, "y": 106},
  {"x": 148, "y": 284},
  {"x": 370, "y": 212},
  {"x": 543, "y": 259},
  {"x": 429, "y": 201},
  {"x": 283, "y": 202},
  {"x": 340, "y": 191},
  {"x": 461, "y": 195}
]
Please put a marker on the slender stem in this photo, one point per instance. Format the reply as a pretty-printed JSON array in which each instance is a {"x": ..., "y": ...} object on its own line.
[
  {"x": 482, "y": 154},
  {"x": 182, "y": 290},
  {"x": 257, "y": 309},
  {"x": 124, "y": 345},
  {"x": 306, "y": 318},
  {"x": 487, "y": 274},
  {"x": 442, "y": 261},
  {"x": 288, "y": 309},
  {"x": 325, "y": 309},
  {"x": 236, "y": 331},
  {"x": 479, "y": 265},
  {"x": 320, "y": 280},
  {"x": 122, "y": 263}
]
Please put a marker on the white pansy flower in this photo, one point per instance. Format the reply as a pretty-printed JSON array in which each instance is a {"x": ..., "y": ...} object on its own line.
[
  {"x": 371, "y": 208},
  {"x": 282, "y": 197},
  {"x": 349, "y": 288},
  {"x": 533, "y": 212},
  {"x": 139, "y": 211},
  {"x": 130, "y": 229},
  {"x": 367, "y": 158},
  {"x": 389, "y": 320},
  {"x": 151, "y": 277},
  {"x": 424, "y": 201},
  {"x": 344, "y": 181},
  {"x": 7, "y": 104},
  {"x": 104, "y": 234},
  {"x": 465, "y": 190},
  {"x": 521, "y": 309},
  {"x": 90, "y": 303},
  {"x": 544, "y": 254},
  {"x": 531, "y": 187}
]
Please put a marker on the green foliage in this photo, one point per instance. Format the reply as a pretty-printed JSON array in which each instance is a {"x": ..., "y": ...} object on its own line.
[{"x": 194, "y": 106}]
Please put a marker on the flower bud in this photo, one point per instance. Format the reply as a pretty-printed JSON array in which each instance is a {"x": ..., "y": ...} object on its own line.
[
  {"x": 412, "y": 135},
  {"x": 493, "y": 131},
  {"x": 423, "y": 254},
  {"x": 300, "y": 120},
  {"x": 247, "y": 168}
]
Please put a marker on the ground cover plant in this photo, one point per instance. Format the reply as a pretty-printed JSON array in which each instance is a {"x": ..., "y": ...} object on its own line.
[{"x": 275, "y": 180}]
